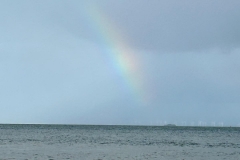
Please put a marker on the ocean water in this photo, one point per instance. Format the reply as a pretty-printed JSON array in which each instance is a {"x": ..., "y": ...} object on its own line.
[{"x": 89, "y": 142}]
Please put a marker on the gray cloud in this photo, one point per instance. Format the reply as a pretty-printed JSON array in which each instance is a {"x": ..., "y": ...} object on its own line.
[
  {"x": 151, "y": 25},
  {"x": 54, "y": 68},
  {"x": 178, "y": 25}
]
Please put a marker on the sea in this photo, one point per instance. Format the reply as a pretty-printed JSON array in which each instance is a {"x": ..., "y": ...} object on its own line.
[{"x": 110, "y": 142}]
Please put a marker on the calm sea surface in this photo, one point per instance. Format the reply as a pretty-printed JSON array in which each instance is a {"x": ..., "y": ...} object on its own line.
[{"x": 86, "y": 142}]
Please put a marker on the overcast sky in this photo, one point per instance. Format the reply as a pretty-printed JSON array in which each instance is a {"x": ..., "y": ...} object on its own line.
[{"x": 120, "y": 62}]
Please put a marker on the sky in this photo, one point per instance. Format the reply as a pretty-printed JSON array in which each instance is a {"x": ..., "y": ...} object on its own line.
[{"x": 125, "y": 62}]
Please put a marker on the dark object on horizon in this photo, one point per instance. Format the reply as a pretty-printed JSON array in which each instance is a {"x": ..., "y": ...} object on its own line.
[{"x": 170, "y": 125}]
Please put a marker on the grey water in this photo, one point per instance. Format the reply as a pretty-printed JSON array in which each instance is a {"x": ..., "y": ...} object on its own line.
[{"x": 99, "y": 142}]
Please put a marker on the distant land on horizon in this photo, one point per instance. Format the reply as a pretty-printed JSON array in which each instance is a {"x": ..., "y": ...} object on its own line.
[{"x": 166, "y": 125}]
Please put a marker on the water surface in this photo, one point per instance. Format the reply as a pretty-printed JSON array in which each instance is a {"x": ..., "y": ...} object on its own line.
[{"x": 88, "y": 142}]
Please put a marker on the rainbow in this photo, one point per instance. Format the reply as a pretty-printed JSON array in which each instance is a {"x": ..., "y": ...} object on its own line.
[{"x": 121, "y": 56}]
